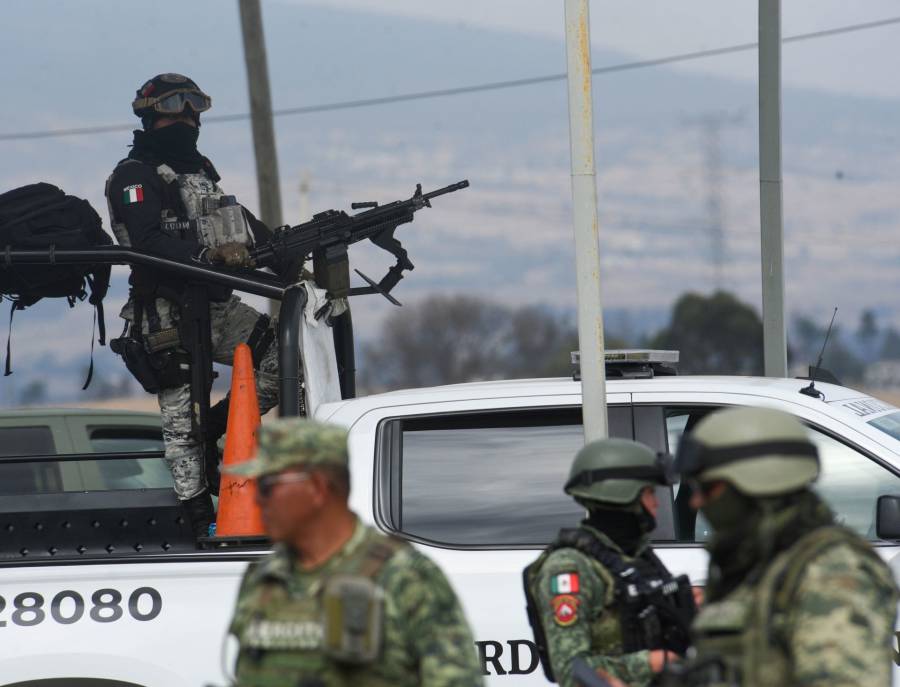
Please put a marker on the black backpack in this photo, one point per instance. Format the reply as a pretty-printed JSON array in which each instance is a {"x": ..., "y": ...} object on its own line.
[{"x": 42, "y": 217}]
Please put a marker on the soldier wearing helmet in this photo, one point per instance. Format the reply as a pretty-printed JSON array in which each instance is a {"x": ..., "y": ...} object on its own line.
[
  {"x": 792, "y": 598},
  {"x": 164, "y": 199},
  {"x": 598, "y": 592}
]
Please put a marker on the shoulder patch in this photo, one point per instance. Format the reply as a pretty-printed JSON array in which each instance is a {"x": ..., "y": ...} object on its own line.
[
  {"x": 565, "y": 583},
  {"x": 565, "y": 609},
  {"x": 133, "y": 194}
]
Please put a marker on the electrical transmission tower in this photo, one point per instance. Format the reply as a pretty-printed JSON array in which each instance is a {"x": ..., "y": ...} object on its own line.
[{"x": 711, "y": 126}]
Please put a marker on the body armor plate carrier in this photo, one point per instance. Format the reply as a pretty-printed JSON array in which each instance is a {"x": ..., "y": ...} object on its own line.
[{"x": 656, "y": 609}]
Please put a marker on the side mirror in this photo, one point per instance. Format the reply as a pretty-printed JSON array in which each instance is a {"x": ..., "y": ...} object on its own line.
[{"x": 887, "y": 518}]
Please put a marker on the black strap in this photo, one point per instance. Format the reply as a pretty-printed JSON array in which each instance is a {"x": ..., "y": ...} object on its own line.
[
  {"x": 12, "y": 311},
  {"x": 90, "y": 372},
  {"x": 154, "y": 324},
  {"x": 694, "y": 456},
  {"x": 260, "y": 339},
  {"x": 640, "y": 472}
]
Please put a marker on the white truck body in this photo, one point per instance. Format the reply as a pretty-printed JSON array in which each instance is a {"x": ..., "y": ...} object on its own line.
[{"x": 469, "y": 473}]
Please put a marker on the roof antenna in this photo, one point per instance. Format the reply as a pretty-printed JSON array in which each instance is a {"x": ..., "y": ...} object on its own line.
[{"x": 811, "y": 390}]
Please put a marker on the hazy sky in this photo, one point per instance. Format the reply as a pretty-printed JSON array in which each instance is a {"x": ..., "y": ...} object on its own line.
[{"x": 863, "y": 63}]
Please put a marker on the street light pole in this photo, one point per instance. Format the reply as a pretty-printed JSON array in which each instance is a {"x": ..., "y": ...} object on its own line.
[{"x": 584, "y": 210}]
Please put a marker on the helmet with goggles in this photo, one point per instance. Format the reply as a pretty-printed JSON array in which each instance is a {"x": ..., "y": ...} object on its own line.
[
  {"x": 759, "y": 451},
  {"x": 169, "y": 94},
  {"x": 615, "y": 471}
]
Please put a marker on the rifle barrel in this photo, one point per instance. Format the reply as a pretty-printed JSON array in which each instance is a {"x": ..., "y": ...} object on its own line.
[{"x": 447, "y": 189}]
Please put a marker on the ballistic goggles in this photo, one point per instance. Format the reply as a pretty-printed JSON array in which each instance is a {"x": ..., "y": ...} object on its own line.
[
  {"x": 695, "y": 457},
  {"x": 661, "y": 472},
  {"x": 175, "y": 102}
]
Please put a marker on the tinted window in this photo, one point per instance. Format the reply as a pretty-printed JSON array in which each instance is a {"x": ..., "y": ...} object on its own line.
[
  {"x": 25, "y": 478},
  {"x": 850, "y": 482},
  {"x": 125, "y": 439},
  {"x": 131, "y": 473},
  {"x": 26, "y": 441},
  {"x": 889, "y": 424},
  {"x": 489, "y": 479}
]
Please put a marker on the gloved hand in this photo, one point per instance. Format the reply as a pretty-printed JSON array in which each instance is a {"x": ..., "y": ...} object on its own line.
[{"x": 229, "y": 254}]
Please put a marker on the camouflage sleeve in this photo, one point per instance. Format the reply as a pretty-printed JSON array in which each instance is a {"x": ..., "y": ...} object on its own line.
[
  {"x": 425, "y": 620},
  {"x": 241, "y": 605},
  {"x": 842, "y": 622},
  {"x": 570, "y": 595}
]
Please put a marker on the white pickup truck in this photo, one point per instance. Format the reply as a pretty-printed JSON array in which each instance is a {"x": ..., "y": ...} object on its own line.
[{"x": 101, "y": 586}]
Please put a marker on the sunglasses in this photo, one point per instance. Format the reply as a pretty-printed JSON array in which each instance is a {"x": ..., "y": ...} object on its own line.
[{"x": 266, "y": 483}]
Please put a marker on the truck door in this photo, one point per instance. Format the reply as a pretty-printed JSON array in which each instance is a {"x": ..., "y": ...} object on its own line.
[{"x": 481, "y": 492}]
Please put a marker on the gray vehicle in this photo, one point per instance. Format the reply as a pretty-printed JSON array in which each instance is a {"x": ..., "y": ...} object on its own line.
[{"x": 64, "y": 431}]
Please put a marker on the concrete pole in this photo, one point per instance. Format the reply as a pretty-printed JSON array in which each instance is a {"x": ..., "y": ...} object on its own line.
[
  {"x": 261, "y": 116},
  {"x": 584, "y": 206},
  {"x": 770, "y": 191}
]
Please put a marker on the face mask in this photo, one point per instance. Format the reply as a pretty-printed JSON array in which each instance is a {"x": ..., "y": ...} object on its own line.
[
  {"x": 646, "y": 522},
  {"x": 176, "y": 138},
  {"x": 727, "y": 511}
]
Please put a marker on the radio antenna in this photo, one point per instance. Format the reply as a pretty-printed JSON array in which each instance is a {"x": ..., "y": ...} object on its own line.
[{"x": 811, "y": 390}]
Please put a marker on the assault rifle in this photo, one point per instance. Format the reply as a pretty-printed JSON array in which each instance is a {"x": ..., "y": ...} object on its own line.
[{"x": 328, "y": 234}]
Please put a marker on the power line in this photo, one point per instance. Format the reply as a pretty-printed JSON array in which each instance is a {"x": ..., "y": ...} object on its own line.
[{"x": 492, "y": 86}]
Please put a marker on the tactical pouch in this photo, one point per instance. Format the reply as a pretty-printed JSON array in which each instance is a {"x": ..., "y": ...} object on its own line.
[
  {"x": 353, "y": 616},
  {"x": 154, "y": 371},
  {"x": 163, "y": 339}
]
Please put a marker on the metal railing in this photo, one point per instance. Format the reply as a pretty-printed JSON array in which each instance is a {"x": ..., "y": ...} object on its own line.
[{"x": 292, "y": 297}]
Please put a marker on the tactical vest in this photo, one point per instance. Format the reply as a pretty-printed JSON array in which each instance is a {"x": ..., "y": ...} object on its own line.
[
  {"x": 205, "y": 211},
  {"x": 327, "y": 635},
  {"x": 645, "y": 607},
  {"x": 741, "y": 639}
]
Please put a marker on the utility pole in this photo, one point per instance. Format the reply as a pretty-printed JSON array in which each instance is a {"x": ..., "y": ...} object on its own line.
[
  {"x": 584, "y": 209},
  {"x": 770, "y": 190},
  {"x": 261, "y": 115}
]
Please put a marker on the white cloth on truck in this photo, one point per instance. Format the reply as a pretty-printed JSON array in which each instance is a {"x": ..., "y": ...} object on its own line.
[{"x": 320, "y": 372}]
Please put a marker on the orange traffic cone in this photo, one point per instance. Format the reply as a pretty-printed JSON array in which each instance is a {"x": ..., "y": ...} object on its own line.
[{"x": 238, "y": 511}]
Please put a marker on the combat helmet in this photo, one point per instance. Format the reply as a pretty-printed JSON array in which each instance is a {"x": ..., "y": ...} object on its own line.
[
  {"x": 614, "y": 471},
  {"x": 169, "y": 94},
  {"x": 759, "y": 451}
]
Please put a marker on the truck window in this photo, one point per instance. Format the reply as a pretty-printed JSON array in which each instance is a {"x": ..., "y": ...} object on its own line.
[
  {"x": 850, "y": 481},
  {"x": 133, "y": 473},
  {"x": 486, "y": 479},
  {"x": 23, "y": 478}
]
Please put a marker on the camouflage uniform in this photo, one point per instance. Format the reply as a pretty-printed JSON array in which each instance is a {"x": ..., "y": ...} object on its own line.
[
  {"x": 231, "y": 323},
  {"x": 791, "y": 598},
  {"x": 598, "y": 592},
  {"x": 176, "y": 216},
  {"x": 280, "y": 615},
  {"x": 585, "y": 621},
  {"x": 820, "y": 613}
]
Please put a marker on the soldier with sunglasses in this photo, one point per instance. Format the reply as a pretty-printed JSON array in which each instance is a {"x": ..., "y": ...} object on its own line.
[
  {"x": 792, "y": 598},
  {"x": 338, "y": 603},
  {"x": 164, "y": 199}
]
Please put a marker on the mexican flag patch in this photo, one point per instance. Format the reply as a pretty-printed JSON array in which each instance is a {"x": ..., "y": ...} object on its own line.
[
  {"x": 566, "y": 583},
  {"x": 133, "y": 194}
]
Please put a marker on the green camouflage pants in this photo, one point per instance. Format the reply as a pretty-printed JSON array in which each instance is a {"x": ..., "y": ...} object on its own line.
[{"x": 231, "y": 323}]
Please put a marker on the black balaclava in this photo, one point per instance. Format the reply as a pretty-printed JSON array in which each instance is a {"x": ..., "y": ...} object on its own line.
[
  {"x": 626, "y": 525},
  {"x": 175, "y": 145}
]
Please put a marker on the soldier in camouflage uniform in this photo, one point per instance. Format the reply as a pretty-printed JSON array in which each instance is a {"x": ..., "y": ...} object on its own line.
[
  {"x": 598, "y": 593},
  {"x": 792, "y": 597},
  {"x": 164, "y": 199},
  {"x": 338, "y": 604}
]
